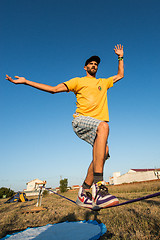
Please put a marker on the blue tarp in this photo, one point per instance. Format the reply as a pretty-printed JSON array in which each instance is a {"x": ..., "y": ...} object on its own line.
[{"x": 81, "y": 230}]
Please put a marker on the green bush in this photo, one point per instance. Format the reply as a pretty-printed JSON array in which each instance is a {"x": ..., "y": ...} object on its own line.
[
  {"x": 63, "y": 185},
  {"x": 6, "y": 191}
]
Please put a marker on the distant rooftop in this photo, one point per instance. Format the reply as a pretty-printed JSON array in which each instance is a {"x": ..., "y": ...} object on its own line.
[{"x": 146, "y": 170}]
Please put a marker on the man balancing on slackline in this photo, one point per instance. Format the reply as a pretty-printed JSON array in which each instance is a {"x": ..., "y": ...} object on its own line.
[{"x": 90, "y": 123}]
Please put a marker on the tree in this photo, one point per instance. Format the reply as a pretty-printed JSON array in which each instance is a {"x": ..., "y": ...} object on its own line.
[
  {"x": 63, "y": 185},
  {"x": 6, "y": 191}
]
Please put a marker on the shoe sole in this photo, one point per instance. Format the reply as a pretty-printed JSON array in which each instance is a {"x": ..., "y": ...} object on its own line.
[{"x": 102, "y": 206}]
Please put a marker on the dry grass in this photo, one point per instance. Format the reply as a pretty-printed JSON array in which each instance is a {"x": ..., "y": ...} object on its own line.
[{"x": 139, "y": 220}]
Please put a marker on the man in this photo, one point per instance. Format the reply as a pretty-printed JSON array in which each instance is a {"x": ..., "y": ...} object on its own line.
[{"x": 90, "y": 123}]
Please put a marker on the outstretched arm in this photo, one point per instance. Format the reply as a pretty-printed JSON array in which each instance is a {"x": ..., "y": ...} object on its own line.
[
  {"x": 21, "y": 80},
  {"x": 119, "y": 51}
]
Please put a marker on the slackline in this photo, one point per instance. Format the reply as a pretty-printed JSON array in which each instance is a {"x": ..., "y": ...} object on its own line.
[
  {"x": 119, "y": 204},
  {"x": 137, "y": 199},
  {"x": 62, "y": 196}
]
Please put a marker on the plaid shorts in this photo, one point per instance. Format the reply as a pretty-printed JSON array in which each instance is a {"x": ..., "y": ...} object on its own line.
[{"x": 86, "y": 128}]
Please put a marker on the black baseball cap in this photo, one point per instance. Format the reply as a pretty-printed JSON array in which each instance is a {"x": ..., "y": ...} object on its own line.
[{"x": 93, "y": 58}]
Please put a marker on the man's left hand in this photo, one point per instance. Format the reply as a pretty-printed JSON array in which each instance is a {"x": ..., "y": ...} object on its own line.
[{"x": 119, "y": 50}]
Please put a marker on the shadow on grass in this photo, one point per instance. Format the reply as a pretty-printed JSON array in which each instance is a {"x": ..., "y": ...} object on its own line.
[
  {"x": 152, "y": 202},
  {"x": 72, "y": 217},
  {"x": 153, "y": 223}
]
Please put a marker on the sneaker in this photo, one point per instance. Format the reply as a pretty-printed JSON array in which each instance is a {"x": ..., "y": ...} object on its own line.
[
  {"x": 101, "y": 197},
  {"x": 84, "y": 198}
]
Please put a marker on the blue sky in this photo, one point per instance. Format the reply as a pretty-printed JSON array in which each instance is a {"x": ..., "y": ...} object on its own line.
[{"x": 48, "y": 42}]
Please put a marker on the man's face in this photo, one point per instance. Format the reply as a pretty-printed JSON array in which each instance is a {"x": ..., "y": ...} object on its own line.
[{"x": 92, "y": 68}]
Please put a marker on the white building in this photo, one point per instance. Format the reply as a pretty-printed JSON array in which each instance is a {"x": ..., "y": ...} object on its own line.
[
  {"x": 135, "y": 175},
  {"x": 34, "y": 186}
]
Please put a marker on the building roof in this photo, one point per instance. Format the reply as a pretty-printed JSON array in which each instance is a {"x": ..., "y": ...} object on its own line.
[
  {"x": 146, "y": 170},
  {"x": 35, "y": 180}
]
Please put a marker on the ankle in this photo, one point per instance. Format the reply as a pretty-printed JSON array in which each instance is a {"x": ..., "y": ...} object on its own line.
[
  {"x": 98, "y": 177},
  {"x": 86, "y": 186}
]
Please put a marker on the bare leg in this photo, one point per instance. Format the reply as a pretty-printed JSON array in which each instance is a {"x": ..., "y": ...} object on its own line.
[
  {"x": 106, "y": 153},
  {"x": 89, "y": 177},
  {"x": 99, "y": 147}
]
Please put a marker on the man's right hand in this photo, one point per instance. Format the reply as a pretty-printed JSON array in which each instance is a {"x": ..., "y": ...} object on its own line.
[{"x": 19, "y": 80}]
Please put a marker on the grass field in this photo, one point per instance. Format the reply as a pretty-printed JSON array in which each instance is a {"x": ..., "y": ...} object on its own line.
[{"x": 140, "y": 220}]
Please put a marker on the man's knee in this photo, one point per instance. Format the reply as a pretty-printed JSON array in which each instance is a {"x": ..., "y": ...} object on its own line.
[{"x": 103, "y": 127}]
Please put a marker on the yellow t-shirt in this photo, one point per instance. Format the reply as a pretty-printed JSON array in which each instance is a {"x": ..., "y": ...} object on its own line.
[{"x": 91, "y": 94}]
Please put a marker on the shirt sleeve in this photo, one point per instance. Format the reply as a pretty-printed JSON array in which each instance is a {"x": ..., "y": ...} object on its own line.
[
  {"x": 109, "y": 82},
  {"x": 72, "y": 85}
]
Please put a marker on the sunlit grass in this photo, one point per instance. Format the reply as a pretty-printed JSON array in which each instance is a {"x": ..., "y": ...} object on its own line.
[{"x": 140, "y": 220}]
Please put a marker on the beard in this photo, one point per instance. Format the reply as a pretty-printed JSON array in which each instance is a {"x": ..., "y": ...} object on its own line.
[{"x": 91, "y": 71}]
